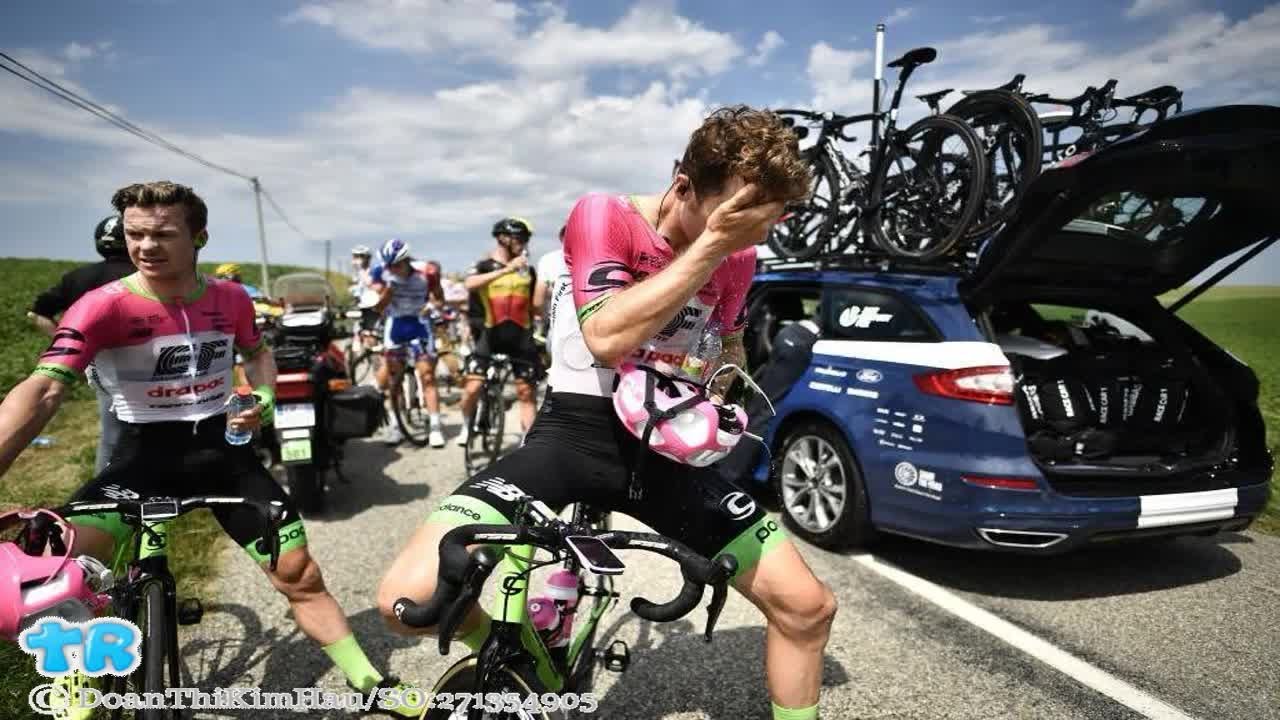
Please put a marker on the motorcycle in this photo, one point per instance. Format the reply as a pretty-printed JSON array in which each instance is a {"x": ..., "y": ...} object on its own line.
[{"x": 317, "y": 408}]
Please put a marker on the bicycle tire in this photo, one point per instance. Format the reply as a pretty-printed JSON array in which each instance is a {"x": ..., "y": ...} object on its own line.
[
  {"x": 1004, "y": 190},
  {"x": 155, "y": 650},
  {"x": 475, "y": 454},
  {"x": 945, "y": 228},
  {"x": 411, "y": 416},
  {"x": 460, "y": 679},
  {"x": 361, "y": 369},
  {"x": 800, "y": 220}
]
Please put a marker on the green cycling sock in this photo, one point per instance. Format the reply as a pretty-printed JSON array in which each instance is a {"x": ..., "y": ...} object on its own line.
[
  {"x": 351, "y": 660},
  {"x": 474, "y": 639},
  {"x": 781, "y": 713}
]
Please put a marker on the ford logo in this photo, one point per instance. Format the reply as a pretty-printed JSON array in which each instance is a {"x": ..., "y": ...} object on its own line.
[{"x": 868, "y": 375}]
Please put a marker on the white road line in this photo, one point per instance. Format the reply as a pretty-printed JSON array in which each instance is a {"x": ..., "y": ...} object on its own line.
[{"x": 1053, "y": 656}]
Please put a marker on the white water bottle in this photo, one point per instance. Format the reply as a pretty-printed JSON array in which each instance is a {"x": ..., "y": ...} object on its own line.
[{"x": 524, "y": 269}]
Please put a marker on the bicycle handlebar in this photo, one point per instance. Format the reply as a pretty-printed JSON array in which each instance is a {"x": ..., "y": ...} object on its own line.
[
  {"x": 168, "y": 508},
  {"x": 461, "y": 575}
]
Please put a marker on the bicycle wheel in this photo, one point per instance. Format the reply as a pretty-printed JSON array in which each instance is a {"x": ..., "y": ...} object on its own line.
[
  {"x": 411, "y": 415},
  {"x": 478, "y": 452},
  {"x": 927, "y": 189},
  {"x": 497, "y": 420},
  {"x": 460, "y": 680},
  {"x": 808, "y": 226},
  {"x": 1012, "y": 140},
  {"x": 361, "y": 368},
  {"x": 158, "y": 649}
]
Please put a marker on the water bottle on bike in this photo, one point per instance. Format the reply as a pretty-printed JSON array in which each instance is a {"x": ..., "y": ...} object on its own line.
[{"x": 242, "y": 400}]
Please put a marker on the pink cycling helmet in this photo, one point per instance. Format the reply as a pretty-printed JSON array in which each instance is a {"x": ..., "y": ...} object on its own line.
[
  {"x": 686, "y": 426},
  {"x": 33, "y": 585}
]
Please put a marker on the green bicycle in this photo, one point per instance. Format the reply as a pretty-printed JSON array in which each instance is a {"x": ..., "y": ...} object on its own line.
[
  {"x": 514, "y": 662},
  {"x": 145, "y": 591}
]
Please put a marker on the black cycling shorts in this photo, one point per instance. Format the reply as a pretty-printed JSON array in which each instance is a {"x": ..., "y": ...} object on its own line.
[
  {"x": 577, "y": 451},
  {"x": 183, "y": 459},
  {"x": 511, "y": 340}
]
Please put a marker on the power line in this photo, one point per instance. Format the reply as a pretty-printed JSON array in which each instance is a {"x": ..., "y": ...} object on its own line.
[
  {"x": 272, "y": 201},
  {"x": 90, "y": 106}
]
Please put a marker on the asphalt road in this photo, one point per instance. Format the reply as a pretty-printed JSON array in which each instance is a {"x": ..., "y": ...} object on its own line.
[{"x": 1193, "y": 623}]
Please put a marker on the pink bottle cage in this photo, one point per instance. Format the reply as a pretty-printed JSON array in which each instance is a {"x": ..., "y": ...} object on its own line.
[{"x": 32, "y": 582}]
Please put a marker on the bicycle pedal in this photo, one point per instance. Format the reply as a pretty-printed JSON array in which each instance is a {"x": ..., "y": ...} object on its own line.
[
  {"x": 190, "y": 611},
  {"x": 617, "y": 658}
]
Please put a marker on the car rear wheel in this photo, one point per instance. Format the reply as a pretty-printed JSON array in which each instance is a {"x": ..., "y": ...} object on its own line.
[{"x": 823, "y": 496}]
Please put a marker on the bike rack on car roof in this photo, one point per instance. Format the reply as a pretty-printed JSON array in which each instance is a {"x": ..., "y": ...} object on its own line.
[{"x": 868, "y": 261}]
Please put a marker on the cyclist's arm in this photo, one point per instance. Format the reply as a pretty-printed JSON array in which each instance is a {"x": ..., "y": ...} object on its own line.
[
  {"x": 261, "y": 370},
  {"x": 732, "y": 352},
  {"x": 539, "y": 300},
  {"x": 43, "y": 323},
  {"x": 25, "y": 411},
  {"x": 479, "y": 280},
  {"x": 730, "y": 314}
]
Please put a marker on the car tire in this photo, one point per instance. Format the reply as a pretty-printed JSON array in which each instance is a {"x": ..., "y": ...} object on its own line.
[{"x": 823, "y": 522}]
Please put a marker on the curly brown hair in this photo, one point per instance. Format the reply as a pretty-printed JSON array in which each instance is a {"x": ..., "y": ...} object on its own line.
[
  {"x": 754, "y": 144},
  {"x": 164, "y": 192}
]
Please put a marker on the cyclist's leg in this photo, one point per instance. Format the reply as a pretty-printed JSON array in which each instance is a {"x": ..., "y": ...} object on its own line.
[
  {"x": 555, "y": 471},
  {"x": 527, "y": 373},
  {"x": 129, "y": 475},
  {"x": 425, "y": 364},
  {"x": 473, "y": 376},
  {"x": 716, "y": 516},
  {"x": 297, "y": 575}
]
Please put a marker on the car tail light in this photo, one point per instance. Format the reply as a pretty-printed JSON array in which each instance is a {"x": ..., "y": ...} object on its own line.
[
  {"x": 293, "y": 386},
  {"x": 339, "y": 384},
  {"x": 991, "y": 384},
  {"x": 1001, "y": 483}
]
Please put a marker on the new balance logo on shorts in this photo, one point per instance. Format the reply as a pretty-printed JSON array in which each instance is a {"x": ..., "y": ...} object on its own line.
[{"x": 501, "y": 488}]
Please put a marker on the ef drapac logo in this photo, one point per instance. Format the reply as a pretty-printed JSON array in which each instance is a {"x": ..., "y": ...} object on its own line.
[{"x": 105, "y": 646}]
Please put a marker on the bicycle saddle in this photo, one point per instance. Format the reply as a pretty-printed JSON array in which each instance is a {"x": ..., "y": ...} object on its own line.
[
  {"x": 1156, "y": 95},
  {"x": 1014, "y": 85},
  {"x": 919, "y": 56},
  {"x": 934, "y": 97}
]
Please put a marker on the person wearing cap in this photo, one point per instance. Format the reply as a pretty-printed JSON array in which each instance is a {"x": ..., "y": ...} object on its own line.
[{"x": 108, "y": 239}]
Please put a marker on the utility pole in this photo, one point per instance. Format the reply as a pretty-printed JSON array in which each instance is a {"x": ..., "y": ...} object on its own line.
[
  {"x": 262, "y": 236},
  {"x": 328, "y": 246}
]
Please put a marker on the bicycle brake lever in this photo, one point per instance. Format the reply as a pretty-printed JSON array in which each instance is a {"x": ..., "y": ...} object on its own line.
[
  {"x": 727, "y": 565},
  {"x": 483, "y": 561}
]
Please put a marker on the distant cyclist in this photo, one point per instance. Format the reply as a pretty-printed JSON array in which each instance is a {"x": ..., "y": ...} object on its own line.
[
  {"x": 163, "y": 341},
  {"x": 231, "y": 271},
  {"x": 503, "y": 283},
  {"x": 553, "y": 276},
  {"x": 403, "y": 297}
]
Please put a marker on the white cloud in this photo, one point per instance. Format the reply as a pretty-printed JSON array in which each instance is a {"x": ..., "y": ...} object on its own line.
[
  {"x": 769, "y": 42},
  {"x": 900, "y": 15},
  {"x": 75, "y": 52},
  {"x": 420, "y": 26},
  {"x": 837, "y": 78},
  {"x": 1147, "y": 8},
  {"x": 647, "y": 36}
]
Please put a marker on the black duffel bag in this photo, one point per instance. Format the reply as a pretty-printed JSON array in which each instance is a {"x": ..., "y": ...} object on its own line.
[{"x": 355, "y": 412}]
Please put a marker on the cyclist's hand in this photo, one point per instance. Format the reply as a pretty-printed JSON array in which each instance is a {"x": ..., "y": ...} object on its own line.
[
  {"x": 519, "y": 262},
  {"x": 249, "y": 420},
  {"x": 742, "y": 221}
]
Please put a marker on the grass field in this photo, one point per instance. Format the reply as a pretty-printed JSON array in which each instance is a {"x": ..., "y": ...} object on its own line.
[{"x": 46, "y": 476}]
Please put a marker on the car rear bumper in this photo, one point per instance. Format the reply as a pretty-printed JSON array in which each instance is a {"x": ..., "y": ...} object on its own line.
[{"x": 1047, "y": 523}]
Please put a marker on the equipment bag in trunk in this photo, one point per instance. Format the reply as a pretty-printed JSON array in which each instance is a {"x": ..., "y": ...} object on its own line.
[{"x": 355, "y": 413}]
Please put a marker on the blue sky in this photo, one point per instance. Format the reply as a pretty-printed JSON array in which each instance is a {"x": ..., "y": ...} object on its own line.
[{"x": 428, "y": 119}]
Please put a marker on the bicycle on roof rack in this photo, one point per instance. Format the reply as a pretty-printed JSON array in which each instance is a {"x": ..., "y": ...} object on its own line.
[{"x": 921, "y": 193}]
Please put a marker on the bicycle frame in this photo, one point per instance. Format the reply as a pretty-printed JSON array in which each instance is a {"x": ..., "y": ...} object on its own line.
[{"x": 514, "y": 635}]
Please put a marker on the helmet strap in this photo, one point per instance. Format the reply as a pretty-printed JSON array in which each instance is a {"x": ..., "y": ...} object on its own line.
[{"x": 652, "y": 378}]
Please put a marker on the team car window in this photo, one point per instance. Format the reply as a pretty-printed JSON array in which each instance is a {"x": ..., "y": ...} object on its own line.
[{"x": 854, "y": 313}]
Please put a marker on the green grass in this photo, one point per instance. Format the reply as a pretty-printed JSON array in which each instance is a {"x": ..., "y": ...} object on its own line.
[{"x": 47, "y": 476}]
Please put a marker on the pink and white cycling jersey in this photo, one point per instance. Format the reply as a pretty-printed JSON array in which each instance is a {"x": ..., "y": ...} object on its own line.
[
  {"x": 160, "y": 361},
  {"x": 608, "y": 245}
]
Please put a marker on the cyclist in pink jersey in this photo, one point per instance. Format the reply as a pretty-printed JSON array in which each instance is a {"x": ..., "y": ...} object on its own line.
[
  {"x": 647, "y": 275},
  {"x": 163, "y": 342}
]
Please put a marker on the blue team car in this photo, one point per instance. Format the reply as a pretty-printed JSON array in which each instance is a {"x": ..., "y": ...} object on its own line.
[{"x": 1040, "y": 397}]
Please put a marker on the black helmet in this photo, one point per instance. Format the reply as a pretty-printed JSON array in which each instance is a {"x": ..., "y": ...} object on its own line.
[
  {"x": 512, "y": 226},
  {"x": 108, "y": 237}
]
